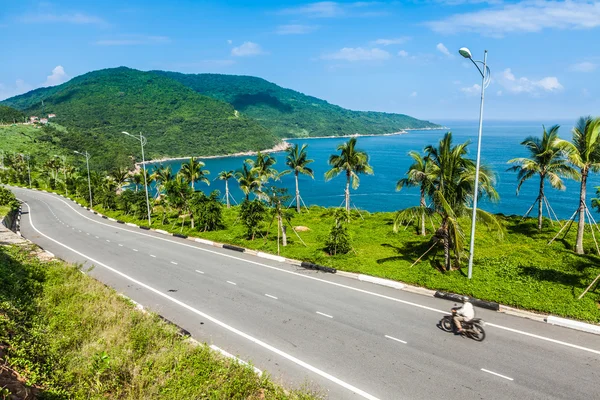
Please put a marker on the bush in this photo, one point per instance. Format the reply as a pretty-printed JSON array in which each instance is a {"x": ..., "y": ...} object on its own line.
[
  {"x": 7, "y": 198},
  {"x": 252, "y": 214},
  {"x": 207, "y": 211},
  {"x": 338, "y": 241}
]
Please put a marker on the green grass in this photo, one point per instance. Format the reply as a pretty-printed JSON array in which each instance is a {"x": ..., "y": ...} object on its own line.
[
  {"x": 518, "y": 269},
  {"x": 74, "y": 338},
  {"x": 4, "y": 210}
]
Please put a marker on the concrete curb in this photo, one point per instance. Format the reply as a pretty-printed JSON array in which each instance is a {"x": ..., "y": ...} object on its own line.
[
  {"x": 569, "y": 323},
  {"x": 130, "y": 224},
  {"x": 381, "y": 281},
  {"x": 161, "y": 231},
  {"x": 204, "y": 241},
  {"x": 270, "y": 256}
]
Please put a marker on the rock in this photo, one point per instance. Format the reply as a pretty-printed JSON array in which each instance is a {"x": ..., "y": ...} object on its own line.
[{"x": 301, "y": 228}]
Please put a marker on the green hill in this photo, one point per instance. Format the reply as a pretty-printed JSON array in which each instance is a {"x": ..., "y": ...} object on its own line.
[
  {"x": 292, "y": 114},
  {"x": 96, "y": 107},
  {"x": 9, "y": 115}
]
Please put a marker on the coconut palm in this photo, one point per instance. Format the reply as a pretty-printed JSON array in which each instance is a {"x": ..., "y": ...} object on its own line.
[
  {"x": 297, "y": 159},
  {"x": 584, "y": 153},
  {"x": 248, "y": 180},
  {"x": 263, "y": 168},
  {"x": 162, "y": 175},
  {"x": 352, "y": 162},
  {"x": 418, "y": 174},
  {"x": 192, "y": 172},
  {"x": 547, "y": 161},
  {"x": 451, "y": 191},
  {"x": 119, "y": 176},
  {"x": 137, "y": 179},
  {"x": 226, "y": 176}
]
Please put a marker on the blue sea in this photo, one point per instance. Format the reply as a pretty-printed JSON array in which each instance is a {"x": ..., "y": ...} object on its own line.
[{"x": 388, "y": 156}]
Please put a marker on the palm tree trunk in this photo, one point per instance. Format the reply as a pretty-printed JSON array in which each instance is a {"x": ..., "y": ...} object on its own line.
[
  {"x": 446, "y": 248},
  {"x": 423, "y": 204},
  {"x": 540, "y": 204},
  {"x": 227, "y": 193},
  {"x": 347, "y": 194},
  {"x": 297, "y": 194},
  {"x": 192, "y": 184},
  {"x": 581, "y": 222}
]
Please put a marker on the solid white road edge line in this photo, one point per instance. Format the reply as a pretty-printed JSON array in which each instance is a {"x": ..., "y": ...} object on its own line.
[
  {"x": 215, "y": 321},
  {"x": 494, "y": 373},
  {"x": 410, "y": 303},
  {"x": 325, "y": 315},
  {"x": 393, "y": 338},
  {"x": 268, "y": 295},
  {"x": 229, "y": 355}
]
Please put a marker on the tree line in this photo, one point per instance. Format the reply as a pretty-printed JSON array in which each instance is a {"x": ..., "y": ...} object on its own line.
[{"x": 443, "y": 172}]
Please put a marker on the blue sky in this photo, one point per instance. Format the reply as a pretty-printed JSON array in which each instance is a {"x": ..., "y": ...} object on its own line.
[{"x": 396, "y": 56}]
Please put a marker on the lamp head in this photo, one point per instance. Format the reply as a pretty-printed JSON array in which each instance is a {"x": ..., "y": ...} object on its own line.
[{"x": 466, "y": 53}]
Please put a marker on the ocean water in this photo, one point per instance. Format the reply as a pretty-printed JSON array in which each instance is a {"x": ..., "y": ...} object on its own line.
[{"x": 389, "y": 158}]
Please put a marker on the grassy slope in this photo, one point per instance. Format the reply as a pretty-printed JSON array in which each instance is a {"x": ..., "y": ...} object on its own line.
[
  {"x": 177, "y": 121},
  {"x": 4, "y": 210},
  {"x": 518, "y": 269},
  {"x": 30, "y": 139},
  {"x": 292, "y": 114},
  {"x": 72, "y": 337},
  {"x": 9, "y": 115}
]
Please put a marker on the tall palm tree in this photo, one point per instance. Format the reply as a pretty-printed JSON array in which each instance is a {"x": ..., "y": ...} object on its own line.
[
  {"x": 248, "y": 180},
  {"x": 547, "y": 161},
  {"x": 192, "y": 172},
  {"x": 584, "y": 153},
  {"x": 418, "y": 174},
  {"x": 452, "y": 192},
  {"x": 226, "y": 176},
  {"x": 297, "y": 159},
  {"x": 263, "y": 168},
  {"x": 137, "y": 179},
  {"x": 162, "y": 176},
  {"x": 352, "y": 162},
  {"x": 119, "y": 176}
]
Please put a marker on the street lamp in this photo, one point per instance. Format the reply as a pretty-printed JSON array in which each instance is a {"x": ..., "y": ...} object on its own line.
[
  {"x": 485, "y": 81},
  {"x": 143, "y": 142},
  {"x": 26, "y": 157},
  {"x": 87, "y": 161}
]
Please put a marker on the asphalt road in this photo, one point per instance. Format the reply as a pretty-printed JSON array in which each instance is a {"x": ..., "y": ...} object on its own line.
[{"x": 343, "y": 337}]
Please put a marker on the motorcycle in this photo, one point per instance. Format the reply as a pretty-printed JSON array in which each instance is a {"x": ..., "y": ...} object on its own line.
[{"x": 473, "y": 328}]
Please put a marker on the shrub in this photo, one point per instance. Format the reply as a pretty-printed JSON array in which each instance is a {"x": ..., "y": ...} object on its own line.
[
  {"x": 7, "y": 198},
  {"x": 207, "y": 211},
  {"x": 252, "y": 214},
  {"x": 338, "y": 241}
]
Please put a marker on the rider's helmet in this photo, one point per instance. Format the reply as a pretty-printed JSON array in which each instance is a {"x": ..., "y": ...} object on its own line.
[{"x": 465, "y": 299}]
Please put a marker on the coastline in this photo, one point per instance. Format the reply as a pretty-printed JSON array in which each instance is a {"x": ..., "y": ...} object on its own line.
[{"x": 284, "y": 145}]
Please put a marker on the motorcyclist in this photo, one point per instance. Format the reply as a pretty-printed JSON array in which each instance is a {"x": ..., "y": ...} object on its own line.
[{"x": 464, "y": 313}]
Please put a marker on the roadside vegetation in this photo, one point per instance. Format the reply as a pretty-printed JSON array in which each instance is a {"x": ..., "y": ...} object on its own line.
[
  {"x": 64, "y": 335},
  {"x": 519, "y": 262}
]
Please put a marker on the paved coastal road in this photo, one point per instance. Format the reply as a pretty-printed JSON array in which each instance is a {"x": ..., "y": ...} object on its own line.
[{"x": 349, "y": 339}]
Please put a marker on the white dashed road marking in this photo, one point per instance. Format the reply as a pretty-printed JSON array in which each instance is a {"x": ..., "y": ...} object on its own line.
[
  {"x": 393, "y": 338},
  {"x": 173, "y": 262},
  {"x": 233, "y": 283},
  {"x": 152, "y": 255},
  {"x": 273, "y": 297},
  {"x": 494, "y": 373},
  {"x": 325, "y": 315},
  {"x": 200, "y": 272}
]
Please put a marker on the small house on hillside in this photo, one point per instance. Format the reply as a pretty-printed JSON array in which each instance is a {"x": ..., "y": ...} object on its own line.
[
  {"x": 44, "y": 121},
  {"x": 51, "y": 115},
  {"x": 33, "y": 119}
]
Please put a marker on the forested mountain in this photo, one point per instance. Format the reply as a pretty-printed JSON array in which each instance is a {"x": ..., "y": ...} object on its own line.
[
  {"x": 9, "y": 115},
  {"x": 98, "y": 106},
  {"x": 292, "y": 114}
]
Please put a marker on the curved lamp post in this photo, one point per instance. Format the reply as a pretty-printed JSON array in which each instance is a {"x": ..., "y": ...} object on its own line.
[
  {"x": 485, "y": 82},
  {"x": 87, "y": 161},
  {"x": 143, "y": 142}
]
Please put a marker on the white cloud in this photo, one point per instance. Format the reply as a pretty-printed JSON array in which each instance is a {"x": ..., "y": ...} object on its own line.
[
  {"x": 413, "y": 94},
  {"x": 57, "y": 77},
  {"x": 525, "y": 16},
  {"x": 403, "y": 53},
  {"x": 295, "y": 29},
  {"x": 133, "y": 40},
  {"x": 442, "y": 49},
  {"x": 472, "y": 90},
  {"x": 247, "y": 49},
  {"x": 72, "y": 18},
  {"x": 19, "y": 87},
  {"x": 525, "y": 85},
  {"x": 585, "y": 66},
  {"x": 388, "y": 42},
  {"x": 358, "y": 54},
  {"x": 332, "y": 9}
]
